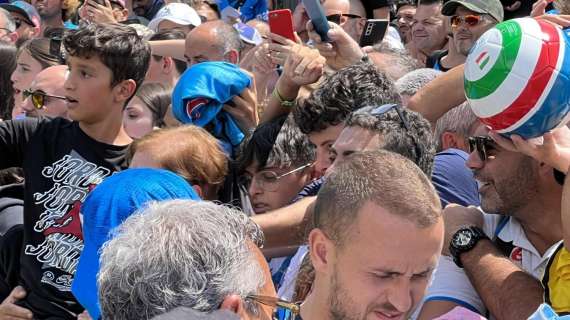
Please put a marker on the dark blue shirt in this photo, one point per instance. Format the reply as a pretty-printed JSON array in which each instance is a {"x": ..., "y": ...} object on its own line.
[{"x": 452, "y": 179}]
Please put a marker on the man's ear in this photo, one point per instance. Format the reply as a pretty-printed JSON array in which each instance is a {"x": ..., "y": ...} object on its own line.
[
  {"x": 120, "y": 14},
  {"x": 234, "y": 304},
  {"x": 321, "y": 250},
  {"x": 198, "y": 190},
  {"x": 167, "y": 65},
  {"x": 13, "y": 37},
  {"x": 233, "y": 56},
  {"x": 449, "y": 140},
  {"x": 125, "y": 90},
  {"x": 37, "y": 32}
]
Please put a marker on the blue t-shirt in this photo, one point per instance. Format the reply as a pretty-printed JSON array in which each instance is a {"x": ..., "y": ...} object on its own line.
[{"x": 452, "y": 180}]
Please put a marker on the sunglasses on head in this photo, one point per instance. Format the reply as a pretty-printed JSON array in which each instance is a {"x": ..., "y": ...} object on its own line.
[
  {"x": 481, "y": 145},
  {"x": 471, "y": 20},
  {"x": 284, "y": 310},
  {"x": 39, "y": 97},
  {"x": 386, "y": 108},
  {"x": 337, "y": 18}
]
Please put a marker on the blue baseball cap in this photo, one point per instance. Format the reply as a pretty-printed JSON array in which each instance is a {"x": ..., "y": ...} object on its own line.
[
  {"x": 28, "y": 11},
  {"x": 106, "y": 207}
]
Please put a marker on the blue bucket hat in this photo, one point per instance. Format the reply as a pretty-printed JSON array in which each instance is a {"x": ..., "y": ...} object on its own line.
[
  {"x": 200, "y": 94},
  {"x": 106, "y": 207}
]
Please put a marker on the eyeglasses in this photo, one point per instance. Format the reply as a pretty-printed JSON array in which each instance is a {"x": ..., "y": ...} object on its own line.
[
  {"x": 284, "y": 310},
  {"x": 481, "y": 144},
  {"x": 7, "y": 30},
  {"x": 39, "y": 98},
  {"x": 337, "y": 17},
  {"x": 268, "y": 180},
  {"x": 386, "y": 108},
  {"x": 471, "y": 20}
]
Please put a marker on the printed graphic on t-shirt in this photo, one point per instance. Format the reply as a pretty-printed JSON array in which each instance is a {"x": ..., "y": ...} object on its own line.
[{"x": 60, "y": 222}]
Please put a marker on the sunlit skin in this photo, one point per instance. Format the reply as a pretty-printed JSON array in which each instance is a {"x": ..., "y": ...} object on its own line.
[
  {"x": 49, "y": 81},
  {"x": 26, "y": 70},
  {"x": 323, "y": 141},
  {"x": 351, "y": 140},
  {"x": 464, "y": 35},
  {"x": 428, "y": 29},
  {"x": 166, "y": 25},
  {"x": 381, "y": 271},
  {"x": 405, "y": 21},
  {"x": 137, "y": 118},
  {"x": 263, "y": 200}
]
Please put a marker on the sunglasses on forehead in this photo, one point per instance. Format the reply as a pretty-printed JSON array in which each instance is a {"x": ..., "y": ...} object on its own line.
[
  {"x": 39, "y": 98},
  {"x": 471, "y": 20}
]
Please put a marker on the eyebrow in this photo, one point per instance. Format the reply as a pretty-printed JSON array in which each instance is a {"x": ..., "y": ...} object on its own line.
[
  {"x": 392, "y": 272},
  {"x": 327, "y": 142}
]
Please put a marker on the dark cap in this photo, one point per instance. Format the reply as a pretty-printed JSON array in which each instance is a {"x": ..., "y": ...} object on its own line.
[
  {"x": 25, "y": 9},
  {"x": 494, "y": 8}
]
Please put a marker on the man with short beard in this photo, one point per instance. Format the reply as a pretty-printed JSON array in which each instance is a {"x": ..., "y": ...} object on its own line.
[
  {"x": 469, "y": 20},
  {"x": 50, "y": 13},
  {"x": 378, "y": 231},
  {"x": 429, "y": 32}
]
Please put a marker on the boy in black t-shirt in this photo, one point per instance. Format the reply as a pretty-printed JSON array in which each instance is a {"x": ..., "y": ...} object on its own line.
[{"x": 63, "y": 160}]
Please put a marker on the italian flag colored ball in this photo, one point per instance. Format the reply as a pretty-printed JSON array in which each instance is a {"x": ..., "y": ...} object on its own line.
[{"x": 517, "y": 77}]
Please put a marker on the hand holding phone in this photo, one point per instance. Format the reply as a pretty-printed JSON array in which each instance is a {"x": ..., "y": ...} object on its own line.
[
  {"x": 373, "y": 32},
  {"x": 281, "y": 23},
  {"x": 318, "y": 18}
]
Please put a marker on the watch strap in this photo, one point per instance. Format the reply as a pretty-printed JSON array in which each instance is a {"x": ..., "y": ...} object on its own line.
[{"x": 477, "y": 234}]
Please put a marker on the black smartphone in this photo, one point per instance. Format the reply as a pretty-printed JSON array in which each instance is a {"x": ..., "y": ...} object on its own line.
[
  {"x": 318, "y": 18},
  {"x": 374, "y": 32}
]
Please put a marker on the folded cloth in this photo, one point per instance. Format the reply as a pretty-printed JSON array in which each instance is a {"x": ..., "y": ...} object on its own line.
[
  {"x": 200, "y": 95},
  {"x": 106, "y": 207}
]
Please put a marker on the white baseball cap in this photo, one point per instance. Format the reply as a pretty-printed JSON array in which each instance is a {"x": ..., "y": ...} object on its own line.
[{"x": 180, "y": 13}]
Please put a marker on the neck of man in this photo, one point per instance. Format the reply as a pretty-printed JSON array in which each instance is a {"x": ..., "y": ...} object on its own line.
[
  {"x": 451, "y": 60},
  {"x": 51, "y": 22},
  {"x": 541, "y": 221},
  {"x": 108, "y": 131},
  {"x": 315, "y": 306}
]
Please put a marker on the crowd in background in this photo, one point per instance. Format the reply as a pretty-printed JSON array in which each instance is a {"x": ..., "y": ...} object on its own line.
[{"x": 178, "y": 160}]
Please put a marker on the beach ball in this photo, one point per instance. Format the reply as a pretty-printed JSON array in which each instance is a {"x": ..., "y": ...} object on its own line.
[{"x": 517, "y": 77}]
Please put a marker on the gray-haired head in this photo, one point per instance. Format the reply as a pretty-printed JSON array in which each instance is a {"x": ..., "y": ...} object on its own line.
[
  {"x": 413, "y": 81},
  {"x": 9, "y": 22},
  {"x": 563, "y": 6},
  {"x": 393, "y": 61},
  {"x": 459, "y": 121},
  {"x": 179, "y": 253},
  {"x": 227, "y": 37}
]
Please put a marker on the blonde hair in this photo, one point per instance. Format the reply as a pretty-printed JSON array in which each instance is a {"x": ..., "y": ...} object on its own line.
[{"x": 188, "y": 151}]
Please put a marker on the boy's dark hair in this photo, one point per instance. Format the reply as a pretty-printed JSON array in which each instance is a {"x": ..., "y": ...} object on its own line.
[
  {"x": 277, "y": 143},
  {"x": 349, "y": 89},
  {"x": 171, "y": 35},
  {"x": 117, "y": 46},
  {"x": 416, "y": 144}
]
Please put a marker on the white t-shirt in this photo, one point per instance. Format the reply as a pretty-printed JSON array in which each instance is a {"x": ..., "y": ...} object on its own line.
[{"x": 450, "y": 283}]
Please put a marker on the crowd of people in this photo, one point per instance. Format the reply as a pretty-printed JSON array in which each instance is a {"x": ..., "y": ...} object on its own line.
[{"x": 169, "y": 159}]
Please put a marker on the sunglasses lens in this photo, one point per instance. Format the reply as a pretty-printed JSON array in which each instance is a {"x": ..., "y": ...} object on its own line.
[
  {"x": 334, "y": 18},
  {"x": 38, "y": 100},
  {"x": 472, "y": 20}
]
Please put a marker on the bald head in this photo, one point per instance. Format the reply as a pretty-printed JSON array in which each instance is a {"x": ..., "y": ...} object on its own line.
[
  {"x": 350, "y": 11},
  {"x": 49, "y": 81},
  {"x": 213, "y": 41}
]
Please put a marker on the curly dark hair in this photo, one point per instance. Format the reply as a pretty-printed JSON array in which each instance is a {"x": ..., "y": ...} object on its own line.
[
  {"x": 118, "y": 46},
  {"x": 416, "y": 144},
  {"x": 349, "y": 89}
]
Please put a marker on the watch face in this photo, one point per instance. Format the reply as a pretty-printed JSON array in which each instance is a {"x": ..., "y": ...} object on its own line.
[{"x": 462, "y": 238}]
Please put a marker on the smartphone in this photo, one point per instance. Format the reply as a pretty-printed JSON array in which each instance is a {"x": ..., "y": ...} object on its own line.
[
  {"x": 318, "y": 19},
  {"x": 281, "y": 23},
  {"x": 373, "y": 32}
]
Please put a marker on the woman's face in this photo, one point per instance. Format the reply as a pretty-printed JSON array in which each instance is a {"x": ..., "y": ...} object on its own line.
[
  {"x": 137, "y": 119},
  {"x": 26, "y": 70}
]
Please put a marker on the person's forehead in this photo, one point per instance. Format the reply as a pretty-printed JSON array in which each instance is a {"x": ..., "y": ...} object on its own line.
[
  {"x": 481, "y": 130},
  {"x": 330, "y": 133},
  {"x": 407, "y": 9},
  {"x": 427, "y": 11},
  {"x": 356, "y": 139},
  {"x": 336, "y": 6},
  {"x": 167, "y": 24}
]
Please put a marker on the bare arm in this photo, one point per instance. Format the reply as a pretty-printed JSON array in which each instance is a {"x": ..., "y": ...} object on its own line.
[
  {"x": 169, "y": 48},
  {"x": 440, "y": 95},
  {"x": 285, "y": 227},
  {"x": 507, "y": 291},
  {"x": 566, "y": 213}
]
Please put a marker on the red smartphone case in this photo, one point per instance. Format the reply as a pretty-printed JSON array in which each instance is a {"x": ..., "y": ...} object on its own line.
[{"x": 281, "y": 23}]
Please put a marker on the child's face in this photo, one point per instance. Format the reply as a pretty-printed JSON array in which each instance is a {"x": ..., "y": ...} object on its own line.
[{"x": 88, "y": 88}]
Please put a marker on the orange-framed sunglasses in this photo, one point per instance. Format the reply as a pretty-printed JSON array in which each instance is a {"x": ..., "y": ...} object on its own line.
[{"x": 471, "y": 20}]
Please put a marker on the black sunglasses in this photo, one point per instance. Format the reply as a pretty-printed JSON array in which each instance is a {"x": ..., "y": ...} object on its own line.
[
  {"x": 481, "y": 144},
  {"x": 39, "y": 97},
  {"x": 336, "y": 18}
]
